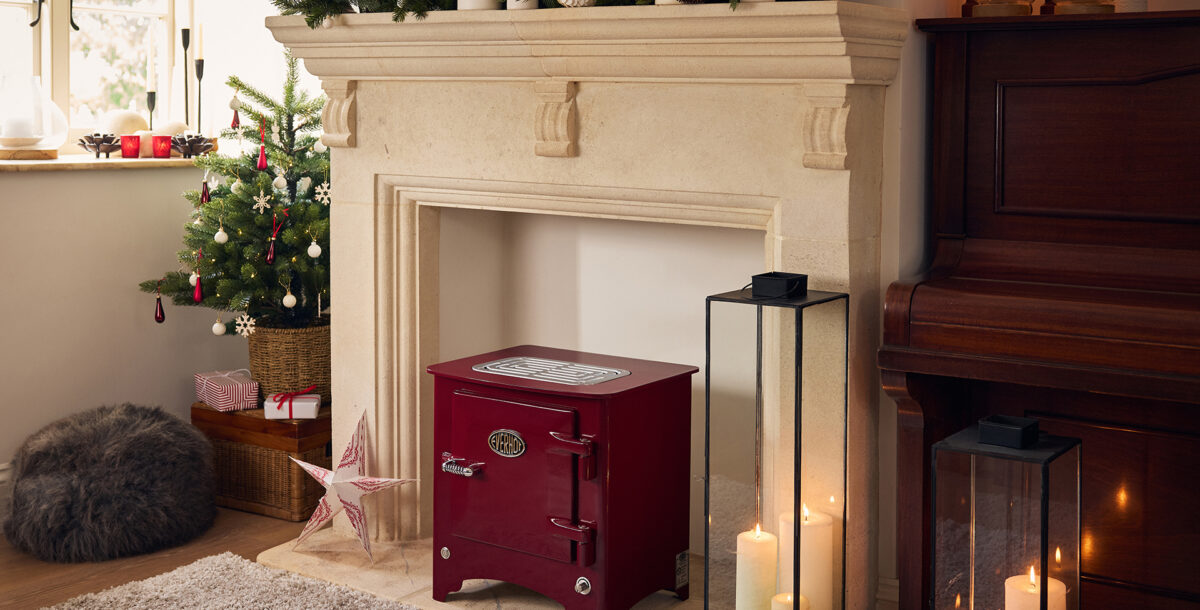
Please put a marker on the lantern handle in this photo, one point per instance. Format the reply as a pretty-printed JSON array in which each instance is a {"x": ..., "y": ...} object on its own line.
[{"x": 38, "y": 18}]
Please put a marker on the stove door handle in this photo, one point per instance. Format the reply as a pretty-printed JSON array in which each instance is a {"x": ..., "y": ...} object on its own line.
[{"x": 452, "y": 465}]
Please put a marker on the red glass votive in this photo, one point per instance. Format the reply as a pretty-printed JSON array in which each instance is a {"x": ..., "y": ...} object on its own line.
[
  {"x": 130, "y": 146},
  {"x": 162, "y": 147}
]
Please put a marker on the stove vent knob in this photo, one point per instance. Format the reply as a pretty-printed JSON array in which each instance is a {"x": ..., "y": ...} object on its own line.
[
  {"x": 583, "y": 586},
  {"x": 445, "y": 552}
]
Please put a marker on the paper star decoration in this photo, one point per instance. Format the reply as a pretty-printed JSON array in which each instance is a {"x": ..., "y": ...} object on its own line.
[
  {"x": 345, "y": 488},
  {"x": 262, "y": 202}
]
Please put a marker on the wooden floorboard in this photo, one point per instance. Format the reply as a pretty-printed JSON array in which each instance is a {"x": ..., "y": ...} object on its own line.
[{"x": 26, "y": 582}]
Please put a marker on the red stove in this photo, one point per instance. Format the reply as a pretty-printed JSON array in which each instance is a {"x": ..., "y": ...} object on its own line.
[{"x": 563, "y": 472}]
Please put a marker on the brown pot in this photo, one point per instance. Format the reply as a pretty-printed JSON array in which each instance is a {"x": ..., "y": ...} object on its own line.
[{"x": 291, "y": 359}]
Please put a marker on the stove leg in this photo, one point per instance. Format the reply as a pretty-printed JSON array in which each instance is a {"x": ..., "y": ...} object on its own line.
[
  {"x": 445, "y": 586},
  {"x": 682, "y": 592}
]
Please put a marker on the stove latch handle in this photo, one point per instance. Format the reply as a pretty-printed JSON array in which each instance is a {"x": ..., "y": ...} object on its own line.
[
  {"x": 452, "y": 465},
  {"x": 582, "y": 447},
  {"x": 582, "y": 533}
]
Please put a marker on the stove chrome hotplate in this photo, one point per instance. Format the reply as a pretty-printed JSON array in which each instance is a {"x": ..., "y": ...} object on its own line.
[{"x": 552, "y": 371}]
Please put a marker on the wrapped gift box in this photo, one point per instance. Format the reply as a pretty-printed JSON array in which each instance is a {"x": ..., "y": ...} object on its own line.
[
  {"x": 303, "y": 406},
  {"x": 227, "y": 390}
]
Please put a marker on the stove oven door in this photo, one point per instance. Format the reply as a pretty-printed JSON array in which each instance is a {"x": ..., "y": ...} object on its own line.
[{"x": 512, "y": 484}]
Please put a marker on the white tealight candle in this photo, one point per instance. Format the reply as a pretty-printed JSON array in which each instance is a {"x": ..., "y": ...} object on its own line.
[
  {"x": 783, "y": 601},
  {"x": 1023, "y": 592},
  {"x": 816, "y": 558},
  {"x": 755, "y": 569},
  {"x": 17, "y": 127}
]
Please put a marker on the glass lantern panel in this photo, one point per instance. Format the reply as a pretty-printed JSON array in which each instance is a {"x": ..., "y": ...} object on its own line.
[
  {"x": 1063, "y": 548},
  {"x": 988, "y": 536},
  {"x": 110, "y": 61},
  {"x": 731, "y": 418}
]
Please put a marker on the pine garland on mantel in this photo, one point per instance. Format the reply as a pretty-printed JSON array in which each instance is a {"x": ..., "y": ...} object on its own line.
[{"x": 316, "y": 12}]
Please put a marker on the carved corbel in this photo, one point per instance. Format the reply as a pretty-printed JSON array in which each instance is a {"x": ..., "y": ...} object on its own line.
[
  {"x": 825, "y": 126},
  {"x": 338, "y": 118},
  {"x": 555, "y": 124}
]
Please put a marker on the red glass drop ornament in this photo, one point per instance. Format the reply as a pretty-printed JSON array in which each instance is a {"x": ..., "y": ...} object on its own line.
[
  {"x": 159, "y": 314},
  {"x": 262, "y": 157},
  {"x": 271, "y": 252},
  {"x": 237, "y": 122},
  {"x": 204, "y": 194},
  {"x": 198, "y": 293}
]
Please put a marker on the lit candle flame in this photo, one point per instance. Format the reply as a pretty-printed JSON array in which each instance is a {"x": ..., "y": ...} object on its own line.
[
  {"x": 804, "y": 510},
  {"x": 832, "y": 499},
  {"x": 789, "y": 597},
  {"x": 958, "y": 600},
  {"x": 757, "y": 530},
  {"x": 1032, "y": 576},
  {"x": 1058, "y": 555}
]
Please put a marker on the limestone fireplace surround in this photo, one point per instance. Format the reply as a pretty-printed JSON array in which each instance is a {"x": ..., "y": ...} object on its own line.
[{"x": 766, "y": 118}]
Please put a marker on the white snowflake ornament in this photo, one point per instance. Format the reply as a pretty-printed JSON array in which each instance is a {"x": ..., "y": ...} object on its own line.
[
  {"x": 322, "y": 193},
  {"x": 262, "y": 202},
  {"x": 244, "y": 325}
]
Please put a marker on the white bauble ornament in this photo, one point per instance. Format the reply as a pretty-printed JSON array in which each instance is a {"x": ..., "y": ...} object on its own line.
[
  {"x": 314, "y": 249},
  {"x": 192, "y": 278},
  {"x": 221, "y": 236},
  {"x": 319, "y": 147},
  {"x": 218, "y": 327},
  {"x": 279, "y": 182},
  {"x": 289, "y": 300},
  {"x": 237, "y": 184},
  {"x": 235, "y": 103}
]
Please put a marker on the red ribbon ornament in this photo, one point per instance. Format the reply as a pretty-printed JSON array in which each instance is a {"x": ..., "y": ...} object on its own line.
[{"x": 289, "y": 397}]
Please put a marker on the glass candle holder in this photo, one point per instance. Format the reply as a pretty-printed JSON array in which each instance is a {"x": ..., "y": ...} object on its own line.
[
  {"x": 162, "y": 147},
  {"x": 130, "y": 146}
]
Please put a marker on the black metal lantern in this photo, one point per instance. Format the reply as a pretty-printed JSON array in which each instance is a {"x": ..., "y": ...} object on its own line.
[
  {"x": 775, "y": 447},
  {"x": 1005, "y": 518}
]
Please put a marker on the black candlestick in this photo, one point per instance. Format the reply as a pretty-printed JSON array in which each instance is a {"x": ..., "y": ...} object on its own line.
[
  {"x": 199, "y": 79},
  {"x": 186, "y": 36},
  {"x": 151, "y": 97}
]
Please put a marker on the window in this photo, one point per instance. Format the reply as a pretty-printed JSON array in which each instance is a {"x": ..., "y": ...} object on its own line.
[
  {"x": 111, "y": 56},
  {"x": 16, "y": 43}
]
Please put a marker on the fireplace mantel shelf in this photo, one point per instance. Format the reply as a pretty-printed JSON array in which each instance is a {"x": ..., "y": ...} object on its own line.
[{"x": 784, "y": 42}]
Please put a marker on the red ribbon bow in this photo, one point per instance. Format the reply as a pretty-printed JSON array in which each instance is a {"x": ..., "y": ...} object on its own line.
[{"x": 289, "y": 397}]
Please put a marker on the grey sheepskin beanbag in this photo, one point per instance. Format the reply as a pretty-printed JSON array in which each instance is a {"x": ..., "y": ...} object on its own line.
[{"x": 111, "y": 482}]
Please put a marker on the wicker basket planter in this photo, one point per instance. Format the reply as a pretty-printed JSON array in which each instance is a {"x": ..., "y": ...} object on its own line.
[{"x": 291, "y": 359}]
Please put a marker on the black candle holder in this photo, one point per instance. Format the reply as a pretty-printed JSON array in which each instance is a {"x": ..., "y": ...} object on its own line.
[
  {"x": 151, "y": 99},
  {"x": 185, "y": 35},
  {"x": 199, "y": 94}
]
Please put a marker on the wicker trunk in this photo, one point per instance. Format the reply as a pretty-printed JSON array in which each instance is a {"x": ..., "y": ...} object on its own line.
[
  {"x": 291, "y": 359},
  {"x": 251, "y": 454}
]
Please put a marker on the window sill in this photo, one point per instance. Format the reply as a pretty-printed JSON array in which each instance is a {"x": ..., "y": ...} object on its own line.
[{"x": 90, "y": 162}]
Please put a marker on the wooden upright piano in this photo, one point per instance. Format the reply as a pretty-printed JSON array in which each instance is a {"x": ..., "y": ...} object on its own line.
[{"x": 1064, "y": 283}]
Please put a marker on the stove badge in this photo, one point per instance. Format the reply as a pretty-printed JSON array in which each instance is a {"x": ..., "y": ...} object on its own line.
[{"x": 507, "y": 443}]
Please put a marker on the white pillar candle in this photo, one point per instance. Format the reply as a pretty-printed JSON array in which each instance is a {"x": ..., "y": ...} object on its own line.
[
  {"x": 17, "y": 127},
  {"x": 783, "y": 601},
  {"x": 787, "y": 551},
  {"x": 755, "y": 569},
  {"x": 1023, "y": 592},
  {"x": 816, "y": 558}
]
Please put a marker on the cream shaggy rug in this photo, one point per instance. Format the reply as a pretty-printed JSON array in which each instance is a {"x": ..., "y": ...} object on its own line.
[{"x": 229, "y": 581}]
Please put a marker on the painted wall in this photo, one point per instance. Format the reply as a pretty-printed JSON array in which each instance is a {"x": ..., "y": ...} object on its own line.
[{"x": 77, "y": 332}]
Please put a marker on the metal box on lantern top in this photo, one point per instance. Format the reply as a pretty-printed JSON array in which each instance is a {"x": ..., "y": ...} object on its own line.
[
  {"x": 775, "y": 450},
  {"x": 1005, "y": 518},
  {"x": 563, "y": 472}
]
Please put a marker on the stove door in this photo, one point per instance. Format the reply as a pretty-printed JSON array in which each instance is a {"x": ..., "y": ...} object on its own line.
[{"x": 524, "y": 479}]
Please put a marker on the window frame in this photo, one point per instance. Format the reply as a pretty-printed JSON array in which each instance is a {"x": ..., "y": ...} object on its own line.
[{"x": 52, "y": 50}]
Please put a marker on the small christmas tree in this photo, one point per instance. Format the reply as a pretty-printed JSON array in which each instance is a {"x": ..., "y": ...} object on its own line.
[{"x": 258, "y": 240}]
